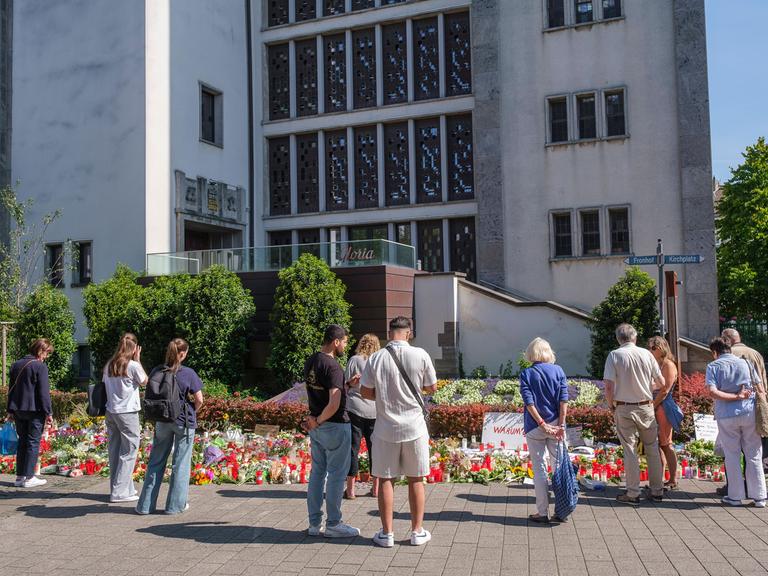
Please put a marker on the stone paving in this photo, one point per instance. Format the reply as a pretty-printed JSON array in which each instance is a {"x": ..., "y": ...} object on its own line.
[{"x": 67, "y": 527}]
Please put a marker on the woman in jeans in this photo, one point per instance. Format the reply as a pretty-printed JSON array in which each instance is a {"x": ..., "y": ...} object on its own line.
[
  {"x": 661, "y": 351},
  {"x": 179, "y": 435},
  {"x": 545, "y": 394},
  {"x": 29, "y": 404},
  {"x": 361, "y": 412},
  {"x": 123, "y": 375}
]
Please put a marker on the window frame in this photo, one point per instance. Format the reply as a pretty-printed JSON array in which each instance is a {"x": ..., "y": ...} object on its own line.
[
  {"x": 577, "y": 120},
  {"x": 57, "y": 280},
  {"x": 218, "y": 114},
  {"x": 548, "y": 110},
  {"x": 580, "y": 231},
  {"x": 565, "y": 23},
  {"x": 553, "y": 234},
  {"x": 604, "y": 112},
  {"x": 595, "y": 16},
  {"x": 570, "y": 12},
  {"x": 603, "y": 17},
  {"x": 78, "y": 279},
  {"x": 609, "y": 240}
]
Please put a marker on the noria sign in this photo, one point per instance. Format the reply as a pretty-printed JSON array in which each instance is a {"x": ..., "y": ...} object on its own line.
[{"x": 504, "y": 427}]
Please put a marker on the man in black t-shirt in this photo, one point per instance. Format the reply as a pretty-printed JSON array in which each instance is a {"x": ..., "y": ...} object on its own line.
[{"x": 330, "y": 434}]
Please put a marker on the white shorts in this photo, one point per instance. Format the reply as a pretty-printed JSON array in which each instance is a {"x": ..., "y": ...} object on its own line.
[{"x": 394, "y": 459}]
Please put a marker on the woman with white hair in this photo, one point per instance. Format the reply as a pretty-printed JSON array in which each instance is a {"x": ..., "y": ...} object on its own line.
[{"x": 545, "y": 394}]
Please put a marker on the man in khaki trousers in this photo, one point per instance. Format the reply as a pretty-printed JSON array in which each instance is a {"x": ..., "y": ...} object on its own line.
[{"x": 631, "y": 374}]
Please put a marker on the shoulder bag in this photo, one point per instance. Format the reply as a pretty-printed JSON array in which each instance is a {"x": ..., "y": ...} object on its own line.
[
  {"x": 411, "y": 386},
  {"x": 761, "y": 402}
]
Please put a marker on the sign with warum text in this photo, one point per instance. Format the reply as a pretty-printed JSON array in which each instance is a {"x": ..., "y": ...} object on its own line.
[
  {"x": 504, "y": 427},
  {"x": 705, "y": 427}
]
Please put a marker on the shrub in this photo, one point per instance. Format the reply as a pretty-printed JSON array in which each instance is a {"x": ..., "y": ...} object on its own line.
[
  {"x": 46, "y": 314},
  {"x": 308, "y": 299},
  {"x": 465, "y": 420},
  {"x": 631, "y": 299},
  {"x": 64, "y": 404}
]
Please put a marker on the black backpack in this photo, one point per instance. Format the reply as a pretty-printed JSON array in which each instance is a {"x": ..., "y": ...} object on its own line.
[{"x": 162, "y": 398}]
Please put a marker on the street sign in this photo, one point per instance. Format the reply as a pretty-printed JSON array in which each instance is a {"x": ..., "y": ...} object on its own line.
[
  {"x": 640, "y": 260},
  {"x": 683, "y": 259}
]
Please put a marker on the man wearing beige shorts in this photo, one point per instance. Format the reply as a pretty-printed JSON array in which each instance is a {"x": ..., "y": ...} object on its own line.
[
  {"x": 400, "y": 437},
  {"x": 631, "y": 374}
]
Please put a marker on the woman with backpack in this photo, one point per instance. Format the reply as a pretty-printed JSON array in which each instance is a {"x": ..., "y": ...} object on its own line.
[
  {"x": 123, "y": 375},
  {"x": 179, "y": 435}
]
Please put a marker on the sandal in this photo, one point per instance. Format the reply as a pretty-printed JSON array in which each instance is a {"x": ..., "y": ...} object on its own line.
[
  {"x": 348, "y": 497},
  {"x": 670, "y": 485}
]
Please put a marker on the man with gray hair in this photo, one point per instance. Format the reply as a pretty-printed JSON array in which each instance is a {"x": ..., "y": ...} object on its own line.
[{"x": 631, "y": 374}]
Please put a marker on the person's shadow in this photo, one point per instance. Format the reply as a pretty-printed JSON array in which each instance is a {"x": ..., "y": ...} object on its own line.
[
  {"x": 225, "y": 533},
  {"x": 50, "y": 512},
  {"x": 269, "y": 493}
]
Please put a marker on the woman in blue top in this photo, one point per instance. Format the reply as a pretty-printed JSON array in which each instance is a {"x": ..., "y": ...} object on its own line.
[
  {"x": 545, "y": 394},
  {"x": 179, "y": 435}
]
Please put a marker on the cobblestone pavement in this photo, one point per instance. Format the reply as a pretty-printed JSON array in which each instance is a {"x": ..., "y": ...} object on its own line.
[{"x": 67, "y": 527}]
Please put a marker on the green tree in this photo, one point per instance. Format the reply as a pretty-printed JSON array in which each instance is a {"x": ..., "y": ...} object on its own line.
[
  {"x": 631, "y": 299},
  {"x": 308, "y": 299},
  {"x": 742, "y": 228},
  {"x": 46, "y": 314}
]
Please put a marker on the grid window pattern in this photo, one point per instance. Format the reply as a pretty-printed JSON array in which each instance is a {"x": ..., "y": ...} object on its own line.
[
  {"x": 558, "y": 120},
  {"x": 462, "y": 246},
  {"x": 461, "y": 184},
  {"x": 310, "y": 236},
  {"x": 555, "y": 13},
  {"x": 562, "y": 234},
  {"x": 336, "y": 176},
  {"x": 362, "y": 4},
  {"x": 396, "y": 164},
  {"x": 426, "y": 59},
  {"x": 618, "y": 221},
  {"x": 277, "y": 12},
  {"x": 364, "y": 67},
  {"x": 395, "y": 64},
  {"x": 376, "y": 232},
  {"x": 403, "y": 233},
  {"x": 366, "y": 168},
  {"x": 585, "y": 108},
  {"x": 305, "y": 10},
  {"x": 611, "y": 8},
  {"x": 458, "y": 54},
  {"x": 428, "y": 175},
  {"x": 306, "y": 77},
  {"x": 279, "y": 176},
  {"x": 614, "y": 114},
  {"x": 584, "y": 10},
  {"x": 279, "y": 82},
  {"x": 307, "y": 173},
  {"x": 335, "y": 73},
  {"x": 333, "y": 7},
  {"x": 431, "y": 245},
  {"x": 590, "y": 233}
]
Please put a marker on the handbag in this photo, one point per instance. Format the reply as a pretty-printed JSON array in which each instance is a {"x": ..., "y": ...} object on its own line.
[
  {"x": 761, "y": 403},
  {"x": 564, "y": 484},
  {"x": 9, "y": 440},
  {"x": 97, "y": 399},
  {"x": 410, "y": 385},
  {"x": 672, "y": 411}
]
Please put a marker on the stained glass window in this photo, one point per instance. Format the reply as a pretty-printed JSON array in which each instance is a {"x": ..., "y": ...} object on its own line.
[
  {"x": 426, "y": 59},
  {"x": 431, "y": 245},
  {"x": 305, "y": 10},
  {"x": 306, "y": 77},
  {"x": 307, "y": 173},
  {"x": 279, "y": 176},
  {"x": 277, "y": 12},
  {"x": 463, "y": 247},
  {"x": 335, "y": 73},
  {"x": 461, "y": 182},
  {"x": 310, "y": 236},
  {"x": 279, "y": 82},
  {"x": 396, "y": 165},
  {"x": 336, "y": 179},
  {"x": 366, "y": 168},
  {"x": 395, "y": 64},
  {"x": 362, "y": 4},
  {"x": 458, "y": 56},
  {"x": 333, "y": 7},
  {"x": 364, "y": 67},
  {"x": 428, "y": 180}
]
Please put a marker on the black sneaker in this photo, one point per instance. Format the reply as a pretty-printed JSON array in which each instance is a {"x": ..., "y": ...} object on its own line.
[
  {"x": 722, "y": 491},
  {"x": 654, "y": 497},
  {"x": 626, "y": 499}
]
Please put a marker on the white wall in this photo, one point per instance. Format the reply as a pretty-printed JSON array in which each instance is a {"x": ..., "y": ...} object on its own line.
[
  {"x": 78, "y": 126},
  {"x": 643, "y": 170}
]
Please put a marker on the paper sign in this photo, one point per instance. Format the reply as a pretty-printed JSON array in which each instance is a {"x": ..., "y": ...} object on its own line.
[
  {"x": 504, "y": 427},
  {"x": 705, "y": 426},
  {"x": 573, "y": 435}
]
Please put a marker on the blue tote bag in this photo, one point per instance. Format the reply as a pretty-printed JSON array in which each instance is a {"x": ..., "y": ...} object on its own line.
[
  {"x": 9, "y": 440},
  {"x": 564, "y": 484},
  {"x": 672, "y": 411}
]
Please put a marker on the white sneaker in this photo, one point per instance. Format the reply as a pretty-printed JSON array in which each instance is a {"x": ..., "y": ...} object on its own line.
[
  {"x": 19, "y": 482},
  {"x": 419, "y": 539},
  {"x": 384, "y": 540},
  {"x": 341, "y": 530},
  {"x": 314, "y": 531},
  {"x": 730, "y": 502},
  {"x": 34, "y": 481},
  {"x": 133, "y": 498},
  {"x": 759, "y": 503}
]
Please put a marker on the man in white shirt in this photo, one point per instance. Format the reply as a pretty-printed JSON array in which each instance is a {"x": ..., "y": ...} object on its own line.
[
  {"x": 630, "y": 375},
  {"x": 400, "y": 437}
]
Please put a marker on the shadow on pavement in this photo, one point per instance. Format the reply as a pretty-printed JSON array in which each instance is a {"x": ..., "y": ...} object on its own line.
[
  {"x": 34, "y": 494},
  {"x": 47, "y": 511},
  {"x": 269, "y": 493},
  {"x": 460, "y": 516}
]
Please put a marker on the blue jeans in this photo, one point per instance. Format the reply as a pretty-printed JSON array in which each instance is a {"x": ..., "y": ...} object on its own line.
[
  {"x": 168, "y": 435},
  {"x": 331, "y": 454}
]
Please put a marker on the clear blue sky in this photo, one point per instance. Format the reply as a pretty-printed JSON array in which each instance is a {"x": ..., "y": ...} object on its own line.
[{"x": 737, "y": 50}]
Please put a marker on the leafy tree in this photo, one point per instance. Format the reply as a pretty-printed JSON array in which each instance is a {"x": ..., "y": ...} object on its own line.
[
  {"x": 742, "y": 228},
  {"x": 631, "y": 299},
  {"x": 46, "y": 314},
  {"x": 308, "y": 299}
]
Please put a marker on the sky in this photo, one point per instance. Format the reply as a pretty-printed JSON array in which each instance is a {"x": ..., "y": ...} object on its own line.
[{"x": 737, "y": 52}]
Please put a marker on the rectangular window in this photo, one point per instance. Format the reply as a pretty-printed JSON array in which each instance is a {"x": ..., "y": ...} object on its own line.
[
  {"x": 364, "y": 68},
  {"x": 618, "y": 220},
  {"x": 333, "y": 7},
  {"x": 83, "y": 359},
  {"x": 614, "y": 113},
  {"x": 366, "y": 168},
  {"x": 310, "y": 241},
  {"x": 362, "y": 4},
  {"x": 396, "y": 166},
  {"x": 280, "y": 256},
  {"x": 211, "y": 110},
  {"x": 611, "y": 9},
  {"x": 377, "y": 232},
  {"x": 336, "y": 178},
  {"x": 277, "y": 11},
  {"x": 83, "y": 273},
  {"x": 428, "y": 175},
  {"x": 558, "y": 120},
  {"x": 306, "y": 77},
  {"x": 590, "y": 233},
  {"x": 403, "y": 233},
  {"x": 458, "y": 54},
  {"x": 461, "y": 184},
  {"x": 307, "y": 173},
  {"x": 305, "y": 10},
  {"x": 585, "y": 108},
  {"x": 426, "y": 59},
  {"x": 54, "y": 255},
  {"x": 555, "y": 13},
  {"x": 279, "y": 176},
  {"x": 561, "y": 232},
  {"x": 431, "y": 245},
  {"x": 335, "y": 73},
  {"x": 279, "y": 82},
  {"x": 463, "y": 247},
  {"x": 395, "y": 63},
  {"x": 585, "y": 11}
]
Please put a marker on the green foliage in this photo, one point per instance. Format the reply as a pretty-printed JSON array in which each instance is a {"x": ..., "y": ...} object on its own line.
[
  {"x": 742, "y": 228},
  {"x": 308, "y": 299},
  {"x": 631, "y": 299},
  {"x": 508, "y": 370},
  {"x": 212, "y": 311},
  {"x": 46, "y": 314},
  {"x": 215, "y": 388},
  {"x": 479, "y": 373},
  {"x": 522, "y": 362}
]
